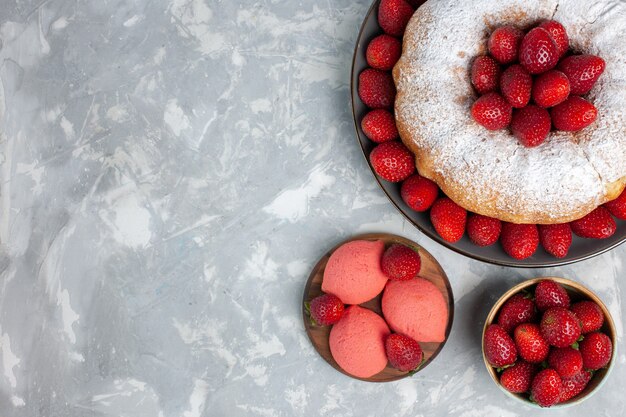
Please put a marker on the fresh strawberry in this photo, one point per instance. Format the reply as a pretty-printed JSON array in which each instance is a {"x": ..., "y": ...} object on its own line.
[
  {"x": 550, "y": 88},
  {"x": 590, "y": 315},
  {"x": 483, "y": 230},
  {"x": 415, "y": 3},
  {"x": 504, "y": 44},
  {"x": 596, "y": 350},
  {"x": 516, "y": 85},
  {"x": 519, "y": 241},
  {"x": 517, "y": 378},
  {"x": 392, "y": 161},
  {"x": 617, "y": 207},
  {"x": 558, "y": 34},
  {"x": 582, "y": 71},
  {"x": 499, "y": 348},
  {"x": 574, "y": 385},
  {"x": 379, "y": 125},
  {"x": 573, "y": 114},
  {"x": 517, "y": 310},
  {"x": 394, "y": 15},
  {"x": 531, "y": 346},
  {"x": 566, "y": 361},
  {"x": 560, "y": 327},
  {"x": 419, "y": 192},
  {"x": 492, "y": 111},
  {"x": 546, "y": 388},
  {"x": 404, "y": 353},
  {"x": 383, "y": 52},
  {"x": 531, "y": 125},
  {"x": 556, "y": 239},
  {"x": 326, "y": 309},
  {"x": 538, "y": 51},
  {"x": 376, "y": 88},
  {"x": 448, "y": 218},
  {"x": 550, "y": 294},
  {"x": 596, "y": 225},
  {"x": 400, "y": 263},
  {"x": 485, "y": 74}
]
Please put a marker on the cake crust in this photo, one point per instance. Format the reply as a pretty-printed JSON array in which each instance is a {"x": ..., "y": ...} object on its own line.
[{"x": 490, "y": 173}]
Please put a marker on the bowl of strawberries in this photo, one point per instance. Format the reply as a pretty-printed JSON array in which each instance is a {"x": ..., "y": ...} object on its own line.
[
  {"x": 531, "y": 100},
  {"x": 549, "y": 342}
]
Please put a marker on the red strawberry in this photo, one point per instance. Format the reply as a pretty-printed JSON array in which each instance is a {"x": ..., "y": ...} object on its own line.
[
  {"x": 518, "y": 377},
  {"x": 573, "y": 114},
  {"x": 485, "y": 74},
  {"x": 483, "y": 230},
  {"x": 517, "y": 310},
  {"x": 538, "y": 51},
  {"x": 400, "y": 263},
  {"x": 376, "y": 88},
  {"x": 546, "y": 388},
  {"x": 326, "y": 309},
  {"x": 404, "y": 353},
  {"x": 379, "y": 125},
  {"x": 596, "y": 350},
  {"x": 582, "y": 71},
  {"x": 596, "y": 225},
  {"x": 617, "y": 207},
  {"x": 556, "y": 239},
  {"x": 566, "y": 361},
  {"x": 394, "y": 15},
  {"x": 499, "y": 348},
  {"x": 516, "y": 85},
  {"x": 383, "y": 52},
  {"x": 574, "y": 385},
  {"x": 531, "y": 346},
  {"x": 448, "y": 218},
  {"x": 519, "y": 241},
  {"x": 415, "y": 3},
  {"x": 558, "y": 34},
  {"x": 531, "y": 125},
  {"x": 419, "y": 192},
  {"x": 392, "y": 161},
  {"x": 504, "y": 44},
  {"x": 590, "y": 315},
  {"x": 550, "y": 294},
  {"x": 560, "y": 327},
  {"x": 550, "y": 88},
  {"x": 492, "y": 111}
]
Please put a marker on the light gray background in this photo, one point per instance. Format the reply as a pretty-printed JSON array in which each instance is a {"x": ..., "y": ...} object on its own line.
[{"x": 170, "y": 172}]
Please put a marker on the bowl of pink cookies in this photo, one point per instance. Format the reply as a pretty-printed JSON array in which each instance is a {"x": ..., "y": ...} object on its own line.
[{"x": 378, "y": 307}]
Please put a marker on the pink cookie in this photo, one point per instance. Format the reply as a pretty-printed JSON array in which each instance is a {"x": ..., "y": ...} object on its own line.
[
  {"x": 357, "y": 342},
  {"x": 353, "y": 272}
]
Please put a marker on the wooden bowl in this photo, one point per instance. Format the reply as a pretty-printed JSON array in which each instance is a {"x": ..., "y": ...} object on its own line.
[
  {"x": 576, "y": 292},
  {"x": 430, "y": 270}
]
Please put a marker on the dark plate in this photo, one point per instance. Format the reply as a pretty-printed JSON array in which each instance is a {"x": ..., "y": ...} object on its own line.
[{"x": 581, "y": 248}]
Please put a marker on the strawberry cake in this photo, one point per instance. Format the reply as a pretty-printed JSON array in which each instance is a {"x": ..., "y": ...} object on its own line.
[
  {"x": 416, "y": 308},
  {"x": 354, "y": 273},
  {"x": 357, "y": 342},
  {"x": 490, "y": 172}
]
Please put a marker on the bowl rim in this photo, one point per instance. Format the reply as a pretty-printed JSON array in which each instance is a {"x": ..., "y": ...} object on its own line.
[
  {"x": 432, "y": 235},
  {"x": 576, "y": 286}
]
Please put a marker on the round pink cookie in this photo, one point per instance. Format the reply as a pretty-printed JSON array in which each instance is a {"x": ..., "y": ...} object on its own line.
[
  {"x": 353, "y": 272},
  {"x": 357, "y": 342},
  {"x": 416, "y": 308}
]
